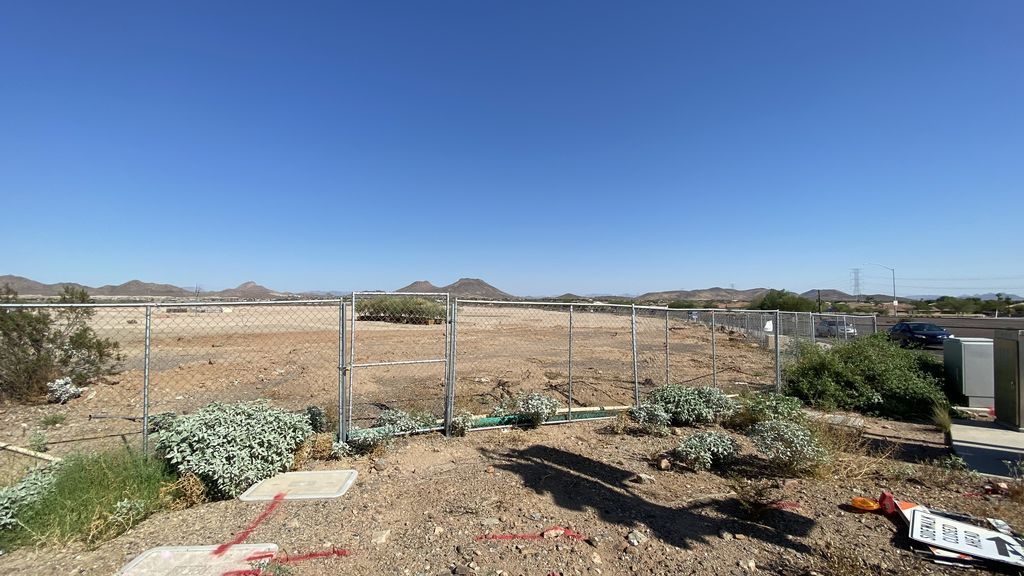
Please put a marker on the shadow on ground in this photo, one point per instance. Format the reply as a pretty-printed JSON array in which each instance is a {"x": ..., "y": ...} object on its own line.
[{"x": 579, "y": 483}]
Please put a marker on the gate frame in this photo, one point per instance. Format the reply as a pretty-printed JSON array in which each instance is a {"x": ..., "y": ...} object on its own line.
[{"x": 350, "y": 367}]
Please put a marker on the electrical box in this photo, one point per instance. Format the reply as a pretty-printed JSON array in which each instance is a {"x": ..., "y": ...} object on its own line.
[
  {"x": 969, "y": 372},
  {"x": 1008, "y": 367}
]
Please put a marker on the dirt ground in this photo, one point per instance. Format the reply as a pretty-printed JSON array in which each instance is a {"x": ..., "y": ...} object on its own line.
[
  {"x": 290, "y": 355},
  {"x": 435, "y": 497}
]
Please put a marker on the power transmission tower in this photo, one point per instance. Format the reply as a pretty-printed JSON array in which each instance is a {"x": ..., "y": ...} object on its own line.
[{"x": 856, "y": 283}]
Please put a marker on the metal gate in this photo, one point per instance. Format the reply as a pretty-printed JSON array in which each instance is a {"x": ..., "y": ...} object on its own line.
[{"x": 399, "y": 350}]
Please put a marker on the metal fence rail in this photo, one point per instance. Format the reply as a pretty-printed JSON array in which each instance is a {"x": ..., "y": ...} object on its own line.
[{"x": 425, "y": 353}]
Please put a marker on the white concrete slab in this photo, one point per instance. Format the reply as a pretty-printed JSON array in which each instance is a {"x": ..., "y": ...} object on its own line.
[
  {"x": 986, "y": 445},
  {"x": 302, "y": 485},
  {"x": 196, "y": 560}
]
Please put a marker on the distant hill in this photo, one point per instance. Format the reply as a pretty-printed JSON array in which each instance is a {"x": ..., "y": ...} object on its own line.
[
  {"x": 28, "y": 287},
  {"x": 246, "y": 291},
  {"x": 715, "y": 293},
  {"x": 461, "y": 288},
  {"x": 829, "y": 295},
  {"x": 136, "y": 289},
  {"x": 420, "y": 286}
]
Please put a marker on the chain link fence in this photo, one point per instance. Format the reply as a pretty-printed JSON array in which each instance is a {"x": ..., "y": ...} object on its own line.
[{"x": 425, "y": 354}]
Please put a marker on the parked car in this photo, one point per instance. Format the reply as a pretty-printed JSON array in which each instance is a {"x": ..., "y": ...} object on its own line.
[
  {"x": 919, "y": 334},
  {"x": 835, "y": 329}
]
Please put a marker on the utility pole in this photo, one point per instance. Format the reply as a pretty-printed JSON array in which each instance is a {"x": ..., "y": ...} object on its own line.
[
  {"x": 819, "y": 301},
  {"x": 895, "y": 302}
]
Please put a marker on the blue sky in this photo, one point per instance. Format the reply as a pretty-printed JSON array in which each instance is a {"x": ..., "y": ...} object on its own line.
[{"x": 545, "y": 146}]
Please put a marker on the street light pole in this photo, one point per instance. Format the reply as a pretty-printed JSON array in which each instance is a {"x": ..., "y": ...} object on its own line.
[{"x": 895, "y": 303}]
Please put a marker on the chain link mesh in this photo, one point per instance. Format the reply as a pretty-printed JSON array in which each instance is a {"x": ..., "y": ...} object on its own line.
[{"x": 398, "y": 355}]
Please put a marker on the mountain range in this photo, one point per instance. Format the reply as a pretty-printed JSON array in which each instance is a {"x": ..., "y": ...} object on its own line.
[
  {"x": 462, "y": 288},
  {"x": 137, "y": 289}
]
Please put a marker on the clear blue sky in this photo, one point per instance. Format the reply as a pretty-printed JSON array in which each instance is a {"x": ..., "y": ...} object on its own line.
[{"x": 542, "y": 146}]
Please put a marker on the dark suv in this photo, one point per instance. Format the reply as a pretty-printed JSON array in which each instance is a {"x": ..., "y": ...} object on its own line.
[{"x": 919, "y": 334}]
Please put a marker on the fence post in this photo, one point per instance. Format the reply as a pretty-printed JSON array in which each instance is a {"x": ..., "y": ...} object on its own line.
[
  {"x": 874, "y": 323},
  {"x": 810, "y": 316},
  {"x": 714, "y": 352},
  {"x": 636, "y": 380},
  {"x": 342, "y": 372},
  {"x": 449, "y": 389},
  {"x": 570, "y": 362},
  {"x": 778, "y": 354},
  {"x": 145, "y": 383},
  {"x": 352, "y": 358},
  {"x": 666, "y": 349}
]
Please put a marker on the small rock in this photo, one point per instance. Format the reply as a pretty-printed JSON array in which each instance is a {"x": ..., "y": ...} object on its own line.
[
  {"x": 740, "y": 536},
  {"x": 664, "y": 464},
  {"x": 725, "y": 535},
  {"x": 553, "y": 532},
  {"x": 595, "y": 558},
  {"x": 438, "y": 530},
  {"x": 380, "y": 465},
  {"x": 636, "y": 538},
  {"x": 381, "y": 537},
  {"x": 489, "y": 521},
  {"x": 642, "y": 479}
]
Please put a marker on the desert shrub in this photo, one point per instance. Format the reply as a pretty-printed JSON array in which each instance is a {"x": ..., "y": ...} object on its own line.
[
  {"x": 400, "y": 309},
  {"x": 535, "y": 407},
  {"x": 91, "y": 498},
  {"x": 767, "y": 406},
  {"x": 29, "y": 489},
  {"x": 39, "y": 346},
  {"x": 651, "y": 418},
  {"x": 61, "y": 390},
  {"x": 462, "y": 423},
  {"x": 687, "y": 405},
  {"x": 871, "y": 375},
  {"x": 369, "y": 441},
  {"x": 318, "y": 420},
  {"x": 702, "y": 450},
  {"x": 787, "y": 445},
  {"x": 396, "y": 421},
  {"x": 230, "y": 447}
]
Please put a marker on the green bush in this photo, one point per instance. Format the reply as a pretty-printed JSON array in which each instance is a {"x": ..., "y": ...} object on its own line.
[
  {"x": 534, "y": 406},
  {"x": 462, "y": 423},
  {"x": 87, "y": 497},
  {"x": 230, "y": 447},
  {"x": 38, "y": 347},
  {"x": 652, "y": 418},
  {"x": 687, "y": 406},
  {"x": 767, "y": 406},
  {"x": 872, "y": 375},
  {"x": 318, "y": 420},
  {"x": 783, "y": 300},
  {"x": 703, "y": 450},
  {"x": 787, "y": 445},
  {"x": 400, "y": 309}
]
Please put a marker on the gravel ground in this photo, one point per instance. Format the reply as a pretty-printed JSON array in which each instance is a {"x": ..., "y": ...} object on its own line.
[{"x": 421, "y": 507}]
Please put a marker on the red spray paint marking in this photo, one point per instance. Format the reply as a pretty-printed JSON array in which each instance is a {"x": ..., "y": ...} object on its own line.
[
  {"x": 532, "y": 536},
  {"x": 255, "y": 524}
]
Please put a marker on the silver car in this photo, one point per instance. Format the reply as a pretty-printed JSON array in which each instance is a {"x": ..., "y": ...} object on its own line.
[{"x": 835, "y": 329}]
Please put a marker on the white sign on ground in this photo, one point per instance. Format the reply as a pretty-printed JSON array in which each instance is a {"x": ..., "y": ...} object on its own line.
[
  {"x": 197, "y": 560},
  {"x": 302, "y": 485},
  {"x": 942, "y": 532}
]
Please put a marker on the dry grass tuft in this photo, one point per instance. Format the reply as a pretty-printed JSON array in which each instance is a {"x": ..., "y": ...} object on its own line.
[
  {"x": 853, "y": 456},
  {"x": 184, "y": 493},
  {"x": 302, "y": 454},
  {"x": 321, "y": 446}
]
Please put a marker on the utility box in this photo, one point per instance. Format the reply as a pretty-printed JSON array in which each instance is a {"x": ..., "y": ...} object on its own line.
[
  {"x": 969, "y": 372},
  {"x": 1008, "y": 367}
]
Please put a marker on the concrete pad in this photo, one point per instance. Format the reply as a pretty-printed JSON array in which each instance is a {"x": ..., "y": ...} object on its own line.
[
  {"x": 196, "y": 560},
  {"x": 302, "y": 485},
  {"x": 985, "y": 445}
]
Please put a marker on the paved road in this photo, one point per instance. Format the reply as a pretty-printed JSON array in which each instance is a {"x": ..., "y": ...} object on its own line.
[{"x": 967, "y": 327}]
